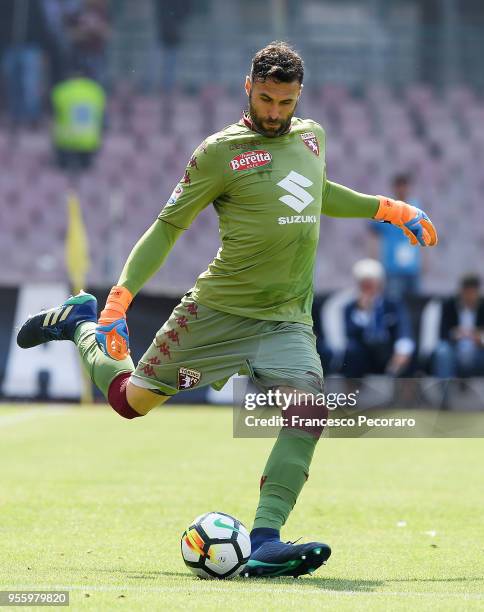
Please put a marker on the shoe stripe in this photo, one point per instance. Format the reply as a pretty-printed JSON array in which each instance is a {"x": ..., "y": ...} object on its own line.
[
  {"x": 55, "y": 316},
  {"x": 46, "y": 318},
  {"x": 290, "y": 564},
  {"x": 66, "y": 313}
]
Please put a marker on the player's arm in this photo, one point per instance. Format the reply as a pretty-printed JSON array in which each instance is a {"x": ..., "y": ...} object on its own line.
[
  {"x": 339, "y": 201},
  {"x": 201, "y": 184},
  {"x": 144, "y": 261}
]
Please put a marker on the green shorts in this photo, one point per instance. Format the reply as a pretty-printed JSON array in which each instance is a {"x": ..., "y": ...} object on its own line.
[{"x": 199, "y": 346}]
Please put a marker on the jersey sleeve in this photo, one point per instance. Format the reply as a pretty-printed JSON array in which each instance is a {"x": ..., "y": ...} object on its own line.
[
  {"x": 148, "y": 255},
  {"x": 339, "y": 201},
  {"x": 201, "y": 184}
]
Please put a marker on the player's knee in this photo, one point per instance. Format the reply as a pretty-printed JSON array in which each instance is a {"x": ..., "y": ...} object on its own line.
[
  {"x": 117, "y": 397},
  {"x": 309, "y": 418},
  {"x": 143, "y": 400},
  {"x": 305, "y": 414}
]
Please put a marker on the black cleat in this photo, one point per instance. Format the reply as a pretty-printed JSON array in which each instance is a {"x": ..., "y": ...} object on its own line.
[
  {"x": 58, "y": 323},
  {"x": 286, "y": 559}
]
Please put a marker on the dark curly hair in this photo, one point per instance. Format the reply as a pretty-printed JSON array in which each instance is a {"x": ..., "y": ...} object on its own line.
[{"x": 277, "y": 61}]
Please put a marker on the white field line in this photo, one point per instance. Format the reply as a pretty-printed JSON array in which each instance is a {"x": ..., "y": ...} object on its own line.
[
  {"x": 227, "y": 590},
  {"x": 26, "y": 415}
]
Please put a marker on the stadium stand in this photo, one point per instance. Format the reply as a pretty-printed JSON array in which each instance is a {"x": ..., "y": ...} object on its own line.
[{"x": 149, "y": 140}]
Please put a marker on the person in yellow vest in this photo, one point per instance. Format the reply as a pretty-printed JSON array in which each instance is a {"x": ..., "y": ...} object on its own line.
[{"x": 78, "y": 106}]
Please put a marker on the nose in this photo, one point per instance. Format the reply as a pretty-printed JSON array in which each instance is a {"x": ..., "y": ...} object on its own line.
[{"x": 273, "y": 113}]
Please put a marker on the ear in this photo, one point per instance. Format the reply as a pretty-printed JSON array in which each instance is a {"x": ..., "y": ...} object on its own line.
[{"x": 248, "y": 85}]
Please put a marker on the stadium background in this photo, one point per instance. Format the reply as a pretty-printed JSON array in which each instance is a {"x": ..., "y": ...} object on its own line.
[{"x": 396, "y": 84}]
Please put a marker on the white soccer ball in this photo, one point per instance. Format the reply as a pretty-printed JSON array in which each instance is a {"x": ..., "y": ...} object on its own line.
[{"x": 215, "y": 545}]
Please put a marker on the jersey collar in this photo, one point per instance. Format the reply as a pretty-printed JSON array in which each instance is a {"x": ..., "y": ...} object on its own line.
[{"x": 247, "y": 121}]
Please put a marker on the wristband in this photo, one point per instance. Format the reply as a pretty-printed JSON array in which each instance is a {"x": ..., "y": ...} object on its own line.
[{"x": 119, "y": 299}]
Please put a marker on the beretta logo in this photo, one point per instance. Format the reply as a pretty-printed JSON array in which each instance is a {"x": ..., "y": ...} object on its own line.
[{"x": 251, "y": 159}]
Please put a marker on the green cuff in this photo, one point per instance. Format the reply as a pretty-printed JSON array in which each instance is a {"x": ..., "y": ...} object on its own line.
[{"x": 339, "y": 201}]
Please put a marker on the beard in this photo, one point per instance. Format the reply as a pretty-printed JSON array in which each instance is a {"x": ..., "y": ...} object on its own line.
[{"x": 270, "y": 129}]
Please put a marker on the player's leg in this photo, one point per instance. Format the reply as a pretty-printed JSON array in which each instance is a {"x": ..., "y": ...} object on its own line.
[
  {"x": 287, "y": 468},
  {"x": 196, "y": 346},
  {"x": 113, "y": 377},
  {"x": 283, "y": 478},
  {"x": 75, "y": 320}
]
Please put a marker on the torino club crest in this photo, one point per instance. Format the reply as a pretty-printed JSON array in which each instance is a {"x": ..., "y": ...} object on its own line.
[
  {"x": 188, "y": 378},
  {"x": 310, "y": 140}
]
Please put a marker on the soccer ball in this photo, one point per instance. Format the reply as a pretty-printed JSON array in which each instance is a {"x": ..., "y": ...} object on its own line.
[{"x": 216, "y": 545}]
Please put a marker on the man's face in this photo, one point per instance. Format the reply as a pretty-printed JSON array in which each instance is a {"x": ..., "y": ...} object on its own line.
[
  {"x": 272, "y": 105},
  {"x": 470, "y": 297},
  {"x": 370, "y": 287}
]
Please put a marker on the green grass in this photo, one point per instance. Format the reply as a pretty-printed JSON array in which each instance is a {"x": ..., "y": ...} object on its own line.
[{"x": 96, "y": 505}]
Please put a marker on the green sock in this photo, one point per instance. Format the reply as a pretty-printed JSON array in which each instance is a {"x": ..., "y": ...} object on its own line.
[
  {"x": 285, "y": 473},
  {"x": 102, "y": 370}
]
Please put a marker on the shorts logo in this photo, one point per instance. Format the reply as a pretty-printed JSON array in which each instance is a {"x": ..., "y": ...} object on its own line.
[
  {"x": 175, "y": 195},
  {"x": 310, "y": 140},
  {"x": 187, "y": 378},
  {"x": 250, "y": 160}
]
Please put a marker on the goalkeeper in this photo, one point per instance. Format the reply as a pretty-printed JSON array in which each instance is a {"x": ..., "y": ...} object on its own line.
[{"x": 250, "y": 311}]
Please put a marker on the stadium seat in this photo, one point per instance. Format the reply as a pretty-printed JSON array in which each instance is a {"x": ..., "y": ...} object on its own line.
[{"x": 369, "y": 138}]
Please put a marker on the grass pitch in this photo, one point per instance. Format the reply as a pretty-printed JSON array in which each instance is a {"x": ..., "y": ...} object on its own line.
[{"x": 96, "y": 505}]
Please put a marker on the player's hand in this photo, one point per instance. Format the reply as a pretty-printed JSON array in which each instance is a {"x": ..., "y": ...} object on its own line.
[
  {"x": 112, "y": 334},
  {"x": 415, "y": 224}
]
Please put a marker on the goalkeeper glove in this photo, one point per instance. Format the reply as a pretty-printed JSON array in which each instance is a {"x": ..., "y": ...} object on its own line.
[
  {"x": 112, "y": 334},
  {"x": 414, "y": 223}
]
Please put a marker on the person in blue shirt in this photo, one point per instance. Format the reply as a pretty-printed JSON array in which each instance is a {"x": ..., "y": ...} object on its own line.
[
  {"x": 379, "y": 337},
  {"x": 401, "y": 261}
]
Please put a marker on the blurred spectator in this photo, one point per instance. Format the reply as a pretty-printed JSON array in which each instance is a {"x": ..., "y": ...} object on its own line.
[
  {"x": 89, "y": 32},
  {"x": 460, "y": 351},
  {"x": 378, "y": 334},
  {"x": 57, "y": 15},
  {"x": 401, "y": 260},
  {"x": 23, "y": 38},
  {"x": 78, "y": 105},
  {"x": 170, "y": 17}
]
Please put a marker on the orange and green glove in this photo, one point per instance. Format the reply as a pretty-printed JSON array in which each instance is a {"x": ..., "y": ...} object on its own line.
[
  {"x": 413, "y": 222},
  {"x": 112, "y": 334}
]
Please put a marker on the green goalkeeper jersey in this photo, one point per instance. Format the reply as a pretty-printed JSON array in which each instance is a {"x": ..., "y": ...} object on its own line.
[{"x": 267, "y": 193}]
